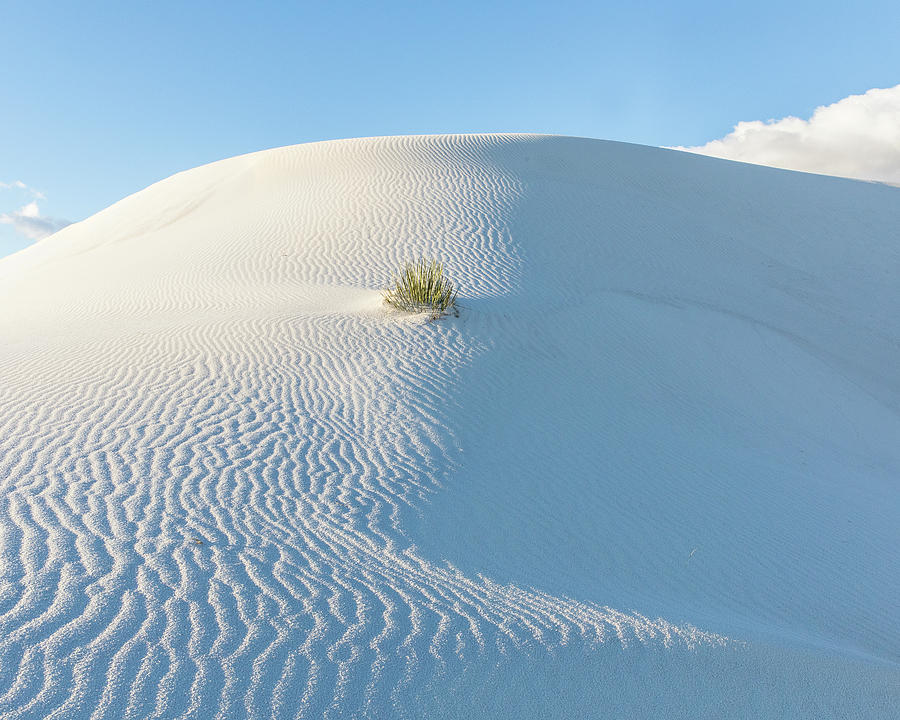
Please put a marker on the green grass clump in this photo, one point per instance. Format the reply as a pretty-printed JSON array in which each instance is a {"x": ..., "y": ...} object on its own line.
[{"x": 421, "y": 286}]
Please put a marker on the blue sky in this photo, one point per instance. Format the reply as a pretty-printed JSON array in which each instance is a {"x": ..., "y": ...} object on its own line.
[{"x": 101, "y": 99}]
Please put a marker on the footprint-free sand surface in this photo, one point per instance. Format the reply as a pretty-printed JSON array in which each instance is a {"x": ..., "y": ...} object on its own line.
[{"x": 652, "y": 469}]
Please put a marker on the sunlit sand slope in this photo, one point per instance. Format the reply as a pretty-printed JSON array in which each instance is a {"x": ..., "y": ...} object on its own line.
[{"x": 652, "y": 469}]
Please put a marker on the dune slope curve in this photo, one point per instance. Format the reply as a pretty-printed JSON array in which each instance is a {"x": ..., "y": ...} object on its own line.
[{"x": 650, "y": 468}]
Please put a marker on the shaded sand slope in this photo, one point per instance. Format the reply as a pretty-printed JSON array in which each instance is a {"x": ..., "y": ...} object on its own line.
[{"x": 651, "y": 470}]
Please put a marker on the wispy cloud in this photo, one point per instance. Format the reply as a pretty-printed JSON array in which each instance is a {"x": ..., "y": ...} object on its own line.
[
  {"x": 27, "y": 220},
  {"x": 857, "y": 137}
]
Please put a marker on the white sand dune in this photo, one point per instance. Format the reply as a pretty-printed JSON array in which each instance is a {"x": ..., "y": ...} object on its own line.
[{"x": 651, "y": 470}]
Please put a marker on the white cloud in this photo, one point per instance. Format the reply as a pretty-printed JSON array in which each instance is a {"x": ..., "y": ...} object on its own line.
[
  {"x": 27, "y": 220},
  {"x": 857, "y": 137},
  {"x": 30, "y": 210}
]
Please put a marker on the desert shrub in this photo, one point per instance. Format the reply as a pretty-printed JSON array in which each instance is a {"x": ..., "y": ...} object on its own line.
[{"x": 422, "y": 286}]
